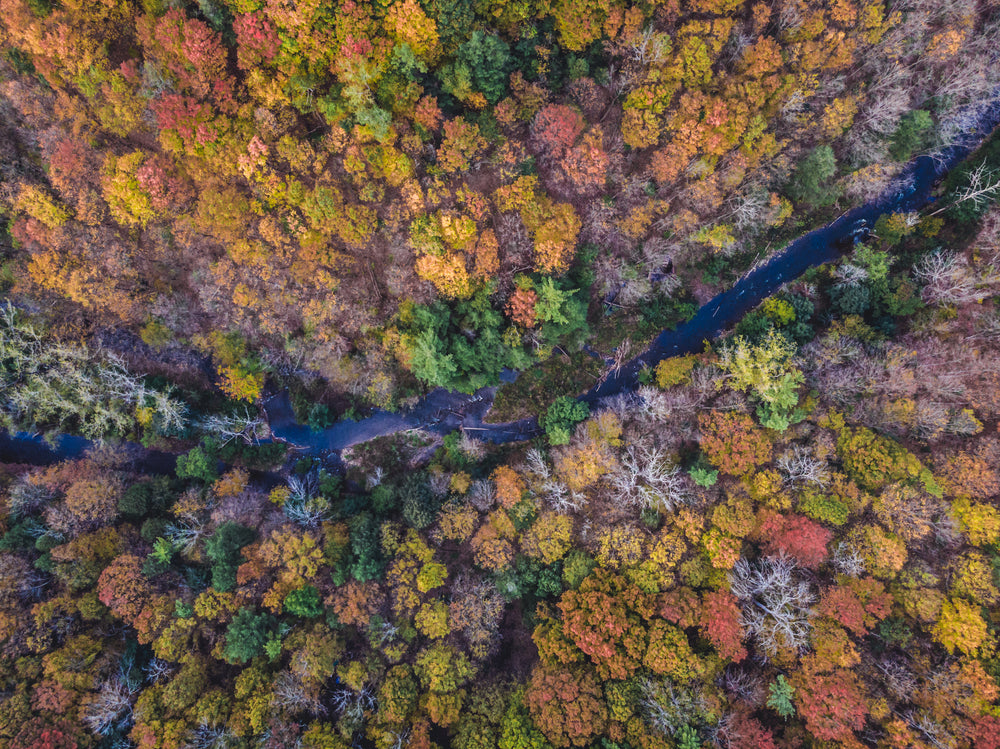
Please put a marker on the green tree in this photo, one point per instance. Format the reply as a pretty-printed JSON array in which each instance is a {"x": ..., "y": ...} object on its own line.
[
  {"x": 247, "y": 634},
  {"x": 811, "y": 180},
  {"x": 146, "y": 498},
  {"x": 487, "y": 58},
  {"x": 851, "y": 298},
  {"x": 564, "y": 413},
  {"x": 304, "y": 602},
  {"x": 459, "y": 345},
  {"x": 199, "y": 464},
  {"x": 765, "y": 370},
  {"x": 517, "y": 731},
  {"x": 367, "y": 559},
  {"x": 912, "y": 135},
  {"x": 563, "y": 313},
  {"x": 779, "y": 697},
  {"x": 223, "y": 548},
  {"x": 418, "y": 503}
]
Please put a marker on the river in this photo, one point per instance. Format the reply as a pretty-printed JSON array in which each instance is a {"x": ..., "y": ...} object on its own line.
[{"x": 442, "y": 411}]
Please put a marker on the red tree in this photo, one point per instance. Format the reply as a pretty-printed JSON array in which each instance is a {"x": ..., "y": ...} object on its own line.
[
  {"x": 857, "y": 604},
  {"x": 167, "y": 190},
  {"x": 186, "y": 48},
  {"x": 45, "y": 733},
  {"x": 986, "y": 732},
  {"x": 123, "y": 588},
  {"x": 796, "y": 535},
  {"x": 257, "y": 40},
  {"x": 832, "y": 705},
  {"x": 720, "y": 624},
  {"x": 567, "y": 705},
  {"x": 555, "y": 129}
]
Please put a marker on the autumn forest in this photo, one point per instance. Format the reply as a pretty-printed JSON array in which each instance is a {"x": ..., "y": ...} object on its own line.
[{"x": 224, "y": 222}]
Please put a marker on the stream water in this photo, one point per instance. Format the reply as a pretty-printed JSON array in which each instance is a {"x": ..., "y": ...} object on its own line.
[{"x": 443, "y": 411}]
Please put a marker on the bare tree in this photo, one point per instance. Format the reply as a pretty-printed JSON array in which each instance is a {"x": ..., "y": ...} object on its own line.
[
  {"x": 657, "y": 253},
  {"x": 560, "y": 497},
  {"x": 621, "y": 355},
  {"x": 983, "y": 188},
  {"x": 652, "y": 404},
  {"x": 477, "y": 609},
  {"x": 25, "y": 497},
  {"x": 293, "y": 694},
  {"x": 646, "y": 479},
  {"x": 749, "y": 209},
  {"x": 111, "y": 707},
  {"x": 305, "y": 505},
  {"x": 482, "y": 495},
  {"x": 668, "y": 706},
  {"x": 375, "y": 477},
  {"x": 801, "y": 467},
  {"x": 898, "y": 679},
  {"x": 848, "y": 560},
  {"x": 471, "y": 447},
  {"x": 776, "y": 603},
  {"x": 548, "y": 488},
  {"x": 935, "y": 733},
  {"x": 185, "y": 534},
  {"x": 887, "y": 101},
  {"x": 212, "y": 737},
  {"x": 948, "y": 279},
  {"x": 157, "y": 669},
  {"x": 352, "y": 705},
  {"x": 650, "y": 48},
  {"x": 744, "y": 684},
  {"x": 251, "y": 429},
  {"x": 535, "y": 463},
  {"x": 439, "y": 483},
  {"x": 947, "y": 530}
]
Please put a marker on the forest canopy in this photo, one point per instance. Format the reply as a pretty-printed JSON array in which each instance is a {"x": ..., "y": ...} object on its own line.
[{"x": 234, "y": 229}]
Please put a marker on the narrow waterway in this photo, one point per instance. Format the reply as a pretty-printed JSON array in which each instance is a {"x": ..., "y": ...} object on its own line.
[{"x": 443, "y": 411}]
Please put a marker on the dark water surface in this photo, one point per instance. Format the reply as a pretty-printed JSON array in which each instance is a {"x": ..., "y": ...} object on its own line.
[{"x": 443, "y": 411}]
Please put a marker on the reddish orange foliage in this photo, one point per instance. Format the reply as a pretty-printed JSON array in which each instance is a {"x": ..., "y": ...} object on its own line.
[
  {"x": 123, "y": 588},
  {"x": 521, "y": 307},
  {"x": 585, "y": 166},
  {"x": 493, "y": 552},
  {"x": 567, "y": 705},
  {"x": 832, "y": 705},
  {"x": 858, "y": 604},
  {"x": 795, "y": 535},
  {"x": 679, "y": 606},
  {"x": 486, "y": 257},
  {"x": 604, "y": 617},
  {"x": 733, "y": 442},
  {"x": 510, "y": 486},
  {"x": 556, "y": 128},
  {"x": 356, "y": 602},
  {"x": 720, "y": 624}
]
